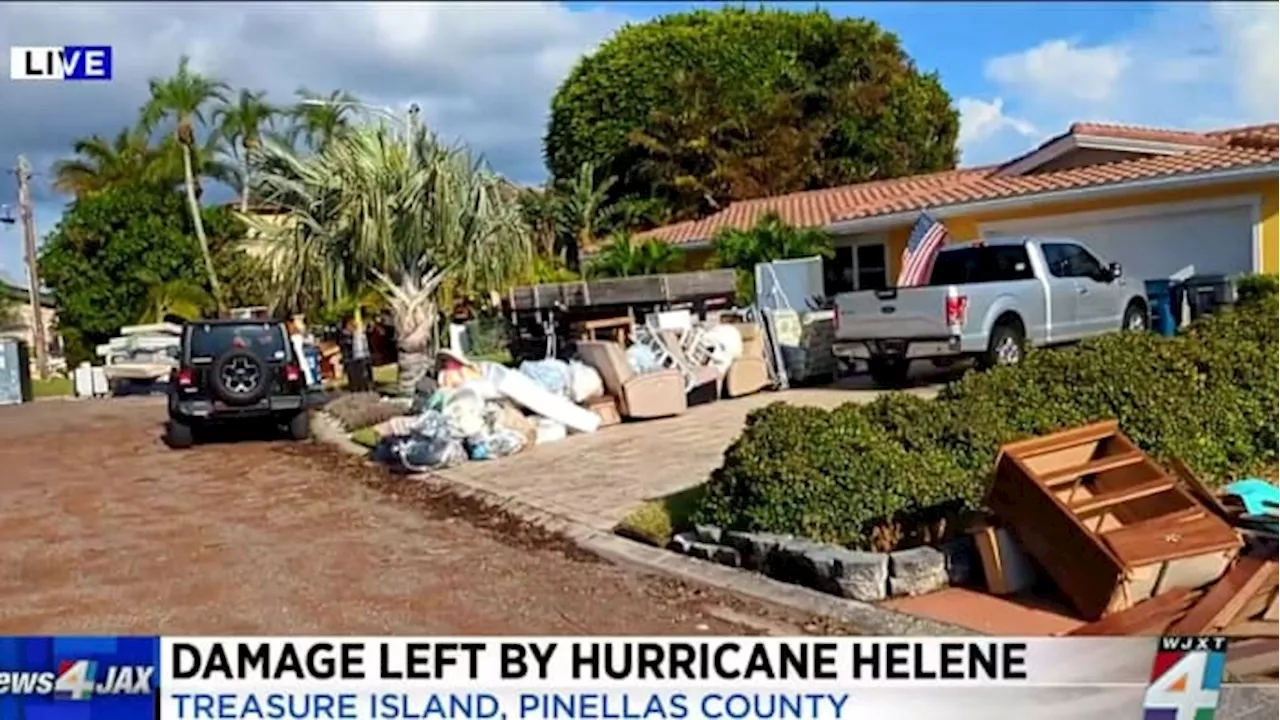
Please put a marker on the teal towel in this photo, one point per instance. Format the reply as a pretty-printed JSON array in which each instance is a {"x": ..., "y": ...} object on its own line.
[{"x": 1259, "y": 496}]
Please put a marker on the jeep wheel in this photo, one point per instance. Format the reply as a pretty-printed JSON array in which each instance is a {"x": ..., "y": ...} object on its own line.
[
  {"x": 240, "y": 377},
  {"x": 178, "y": 435},
  {"x": 300, "y": 426}
]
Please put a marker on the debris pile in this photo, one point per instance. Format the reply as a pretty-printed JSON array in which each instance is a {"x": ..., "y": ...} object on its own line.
[{"x": 1139, "y": 550}]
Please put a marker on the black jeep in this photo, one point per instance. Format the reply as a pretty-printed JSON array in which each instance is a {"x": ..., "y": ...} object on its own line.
[{"x": 236, "y": 370}]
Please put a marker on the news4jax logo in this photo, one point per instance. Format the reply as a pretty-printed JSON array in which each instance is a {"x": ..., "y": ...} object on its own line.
[
  {"x": 1186, "y": 678},
  {"x": 70, "y": 63},
  {"x": 78, "y": 680}
]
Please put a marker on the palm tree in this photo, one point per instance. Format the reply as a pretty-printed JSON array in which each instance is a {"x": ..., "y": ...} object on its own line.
[
  {"x": 179, "y": 297},
  {"x": 585, "y": 212},
  {"x": 770, "y": 239},
  {"x": 101, "y": 164},
  {"x": 242, "y": 122},
  {"x": 367, "y": 207},
  {"x": 318, "y": 119},
  {"x": 624, "y": 257},
  {"x": 183, "y": 98},
  {"x": 541, "y": 208}
]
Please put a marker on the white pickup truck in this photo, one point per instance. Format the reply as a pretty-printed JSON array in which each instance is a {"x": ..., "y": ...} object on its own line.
[{"x": 988, "y": 300}]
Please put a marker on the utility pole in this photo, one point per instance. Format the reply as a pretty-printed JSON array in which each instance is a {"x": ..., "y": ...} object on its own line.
[{"x": 27, "y": 214}]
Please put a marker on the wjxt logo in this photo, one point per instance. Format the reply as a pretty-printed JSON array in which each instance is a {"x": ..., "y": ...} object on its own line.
[{"x": 68, "y": 63}]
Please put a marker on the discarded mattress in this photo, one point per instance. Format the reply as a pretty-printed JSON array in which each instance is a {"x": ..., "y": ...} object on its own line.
[{"x": 524, "y": 391}]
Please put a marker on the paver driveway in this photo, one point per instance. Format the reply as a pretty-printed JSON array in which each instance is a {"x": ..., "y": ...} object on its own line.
[
  {"x": 598, "y": 479},
  {"x": 104, "y": 530}
]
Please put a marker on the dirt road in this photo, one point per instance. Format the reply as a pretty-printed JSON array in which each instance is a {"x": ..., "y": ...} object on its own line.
[{"x": 105, "y": 530}]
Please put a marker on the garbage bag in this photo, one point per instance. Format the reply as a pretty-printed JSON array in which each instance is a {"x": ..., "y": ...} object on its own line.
[
  {"x": 422, "y": 393},
  {"x": 551, "y": 374},
  {"x": 478, "y": 448},
  {"x": 550, "y": 431},
  {"x": 584, "y": 382},
  {"x": 418, "y": 453},
  {"x": 725, "y": 345},
  {"x": 464, "y": 412},
  {"x": 642, "y": 359}
]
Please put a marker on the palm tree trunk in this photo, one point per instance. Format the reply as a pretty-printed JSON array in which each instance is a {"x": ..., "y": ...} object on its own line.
[
  {"x": 198, "y": 222},
  {"x": 414, "y": 329},
  {"x": 244, "y": 182}
]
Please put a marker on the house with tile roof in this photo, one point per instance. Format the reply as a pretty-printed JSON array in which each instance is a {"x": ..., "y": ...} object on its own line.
[
  {"x": 1155, "y": 201},
  {"x": 18, "y": 321}
]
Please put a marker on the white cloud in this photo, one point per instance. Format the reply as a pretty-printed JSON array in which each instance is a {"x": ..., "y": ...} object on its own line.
[
  {"x": 1187, "y": 65},
  {"x": 1252, "y": 29},
  {"x": 1061, "y": 71},
  {"x": 983, "y": 120},
  {"x": 482, "y": 72}
]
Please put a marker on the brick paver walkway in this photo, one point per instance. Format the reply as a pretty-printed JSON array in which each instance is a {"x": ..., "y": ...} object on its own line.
[{"x": 598, "y": 478}]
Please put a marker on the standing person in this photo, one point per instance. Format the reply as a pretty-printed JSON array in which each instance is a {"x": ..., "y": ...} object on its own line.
[{"x": 359, "y": 375}]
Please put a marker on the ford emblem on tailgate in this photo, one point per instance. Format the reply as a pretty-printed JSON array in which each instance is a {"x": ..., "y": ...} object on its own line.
[{"x": 887, "y": 309}]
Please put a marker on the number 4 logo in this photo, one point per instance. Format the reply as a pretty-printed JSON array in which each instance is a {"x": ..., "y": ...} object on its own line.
[
  {"x": 1186, "y": 689},
  {"x": 75, "y": 679}
]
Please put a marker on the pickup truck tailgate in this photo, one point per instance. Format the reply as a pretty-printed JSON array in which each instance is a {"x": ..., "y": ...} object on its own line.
[{"x": 918, "y": 313}]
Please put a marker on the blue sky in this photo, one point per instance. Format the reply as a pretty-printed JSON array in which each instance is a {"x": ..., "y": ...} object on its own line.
[{"x": 1018, "y": 72}]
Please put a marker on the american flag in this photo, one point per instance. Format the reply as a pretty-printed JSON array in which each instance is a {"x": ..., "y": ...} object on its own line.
[{"x": 927, "y": 237}]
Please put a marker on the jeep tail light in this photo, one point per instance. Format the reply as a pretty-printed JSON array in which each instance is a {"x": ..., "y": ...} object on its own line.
[
  {"x": 186, "y": 377},
  {"x": 292, "y": 373},
  {"x": 837, "y": 316},
  {"x": 957, "y": 309}
]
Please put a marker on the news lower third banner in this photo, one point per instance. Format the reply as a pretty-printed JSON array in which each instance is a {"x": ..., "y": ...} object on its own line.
[{"x": 610, "y": 678}]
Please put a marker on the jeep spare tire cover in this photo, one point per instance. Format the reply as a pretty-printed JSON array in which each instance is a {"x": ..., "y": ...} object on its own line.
[{"x": 240, "y": 377}]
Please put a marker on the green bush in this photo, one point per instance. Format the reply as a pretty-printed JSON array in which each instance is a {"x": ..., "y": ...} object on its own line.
[
  {"x": 1265, "y": 288},
  {"x": 870, "y": 475}
]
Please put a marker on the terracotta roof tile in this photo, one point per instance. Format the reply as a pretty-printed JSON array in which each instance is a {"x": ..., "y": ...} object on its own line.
[
  {"x": 1135, "y": 132},
  {"x": 1219, "y": 150}
]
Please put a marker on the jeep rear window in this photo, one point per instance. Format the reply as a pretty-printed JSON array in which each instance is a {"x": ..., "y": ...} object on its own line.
[
  {"x": 989, "y": 263},
  {"x": 265, "y": 340}
]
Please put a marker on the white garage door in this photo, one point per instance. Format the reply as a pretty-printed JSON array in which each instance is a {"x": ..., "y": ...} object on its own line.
[{"x": 1214, "y": 240}]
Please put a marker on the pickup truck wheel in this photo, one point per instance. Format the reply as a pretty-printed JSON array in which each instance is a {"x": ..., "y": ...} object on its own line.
[
  {"x": 1005, "y": 347},
  {"x": 889, "y": 372},
  {"x": 1135, "y": 317}
]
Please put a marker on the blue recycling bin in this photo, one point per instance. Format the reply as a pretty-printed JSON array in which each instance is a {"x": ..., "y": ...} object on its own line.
[{"x": 1160, "y": 300}]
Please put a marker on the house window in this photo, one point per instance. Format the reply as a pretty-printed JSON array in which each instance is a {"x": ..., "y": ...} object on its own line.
[{"x": 862, "y": 266}]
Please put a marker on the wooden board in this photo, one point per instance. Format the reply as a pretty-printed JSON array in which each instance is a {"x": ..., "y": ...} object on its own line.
[
  {"x": 1149, "y": 617},
  {"x": 645, "y": 289},
  {"x": 1198, "y": 489},
  {"x": 1227, "y": 597},
  {"x": 1273, "y": 608}
]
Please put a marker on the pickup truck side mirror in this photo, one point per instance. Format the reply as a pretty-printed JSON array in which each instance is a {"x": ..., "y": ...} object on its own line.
[{"x": 1115, "y": 271}]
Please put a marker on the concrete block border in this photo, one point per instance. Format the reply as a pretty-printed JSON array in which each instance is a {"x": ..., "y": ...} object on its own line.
[{"x": 871, "y": 619}]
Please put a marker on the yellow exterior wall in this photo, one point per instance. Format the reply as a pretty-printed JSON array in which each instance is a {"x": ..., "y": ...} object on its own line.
[
  {"x": 963, "y": 229},
  {"x": 697, "y": 259}
]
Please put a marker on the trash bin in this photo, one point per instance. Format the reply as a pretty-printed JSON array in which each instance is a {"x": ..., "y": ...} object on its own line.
[
  {"x": 1207, "y": 293},
  {"x": 1160, "y": 299}
]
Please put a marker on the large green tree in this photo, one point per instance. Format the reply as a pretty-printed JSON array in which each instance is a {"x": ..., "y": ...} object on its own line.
[
  {"x": 703, "y": 108},
  {"x": 111, "y": 249}
]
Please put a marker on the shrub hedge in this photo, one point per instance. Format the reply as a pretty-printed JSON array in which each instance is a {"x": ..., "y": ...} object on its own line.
[{"x": 854, "y": 475}]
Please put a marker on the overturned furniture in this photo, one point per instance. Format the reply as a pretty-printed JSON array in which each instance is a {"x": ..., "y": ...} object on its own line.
[{"x": 1109, "y": 525}]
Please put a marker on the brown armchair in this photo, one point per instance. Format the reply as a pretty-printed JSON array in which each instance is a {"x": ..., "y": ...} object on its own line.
[
  {"x": 640, "y": 395},
  {"x": 750, "y": 372}
]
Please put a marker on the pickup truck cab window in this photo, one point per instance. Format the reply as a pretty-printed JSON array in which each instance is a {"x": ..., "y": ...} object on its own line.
[
  {"x": 1067, "y": 260},
  {"x": 981, "y": 264}
]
